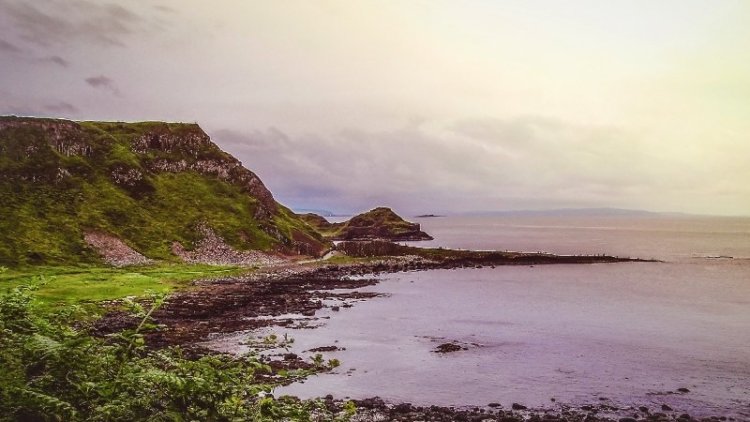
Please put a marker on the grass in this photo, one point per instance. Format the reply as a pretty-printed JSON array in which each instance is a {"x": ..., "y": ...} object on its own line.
[
  {"x": 61, "y": 285},
  {"x": 51, "y": 199}
]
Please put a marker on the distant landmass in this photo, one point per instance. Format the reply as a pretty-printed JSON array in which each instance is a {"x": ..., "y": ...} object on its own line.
[
  {"x": 322, "y": 213},
  {"x": 378, "y": 223},
  {"x": 574, "y": 212}
]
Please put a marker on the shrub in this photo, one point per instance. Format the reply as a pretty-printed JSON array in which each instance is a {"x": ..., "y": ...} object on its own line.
[{"x": 51, "y": 369}]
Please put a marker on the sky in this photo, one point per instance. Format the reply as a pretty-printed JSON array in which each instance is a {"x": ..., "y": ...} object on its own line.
[{"x": 426, "y": 106}]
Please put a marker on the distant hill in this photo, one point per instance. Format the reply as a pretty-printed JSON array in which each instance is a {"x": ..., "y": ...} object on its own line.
[
  {"x": 324, "y": 213},
  {"x": 572, "y": 212},
  {"x": 378, "y": 223},
  {"x": 68, "y": 188}
]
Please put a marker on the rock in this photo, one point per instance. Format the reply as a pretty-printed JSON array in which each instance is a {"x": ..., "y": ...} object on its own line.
[
  {"x": 683, "y": 390},
  {"x": 628, "y": 420},
  {"x": 517, "y": 406},
  {"x": 403, "y": 408},
  {"x": 114, "y": 251},
  {"x": 666, "y": 408},
  {"x": 324, "y": 349},
  {"x": 212, "y": 249},
  {"x": 448, "y": 348},
  {"x": 643, "y": 409}
]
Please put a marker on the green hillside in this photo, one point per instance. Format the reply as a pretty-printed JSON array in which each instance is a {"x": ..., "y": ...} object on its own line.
[
  {"x": 149, "y": 184},
  {"x": 378, "y": 223}
]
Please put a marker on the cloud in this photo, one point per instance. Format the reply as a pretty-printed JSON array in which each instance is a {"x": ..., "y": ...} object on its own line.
[
  {"x": 59, "y": 22},
  {"x": 466, "y": 165},
  {"x": 7, "y": 47},
  {"x": 477, "y": 164},
  {"x": 61, "y": 107},
  {"x": 164, "y": 9},
  {"x": 56, "y": 60},
  {"x": 39, "y": 107},
  {"x": 103, "y": 82}
]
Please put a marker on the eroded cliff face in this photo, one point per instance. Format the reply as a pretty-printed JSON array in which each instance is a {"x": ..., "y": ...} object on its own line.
[
  {"x": 191, "y": 149},
  {"x": 149, "y": 183}
]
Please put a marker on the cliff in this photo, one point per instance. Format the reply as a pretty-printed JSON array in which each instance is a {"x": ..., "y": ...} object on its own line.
[
  {"x": 157, "y": 188},
  {"x": 379, "y": 223}
]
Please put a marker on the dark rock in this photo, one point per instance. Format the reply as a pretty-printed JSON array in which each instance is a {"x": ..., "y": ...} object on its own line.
[
  {"x": 448, "y": 348},
  {"x": 643, "y": 409},
  {"x": 324, "y": 349},
  {"x": 403, "y": 408},
  {"x": 666, "y": 408},
  {"x": 517, "y": 406},
  {"x": 683, "y": 390},
  {"x": 628, "y": 420},
  {"x": 494, "y": 404}
]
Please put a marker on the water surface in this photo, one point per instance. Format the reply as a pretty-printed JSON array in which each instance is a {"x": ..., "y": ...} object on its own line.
[{"x": 628, "y": 332}]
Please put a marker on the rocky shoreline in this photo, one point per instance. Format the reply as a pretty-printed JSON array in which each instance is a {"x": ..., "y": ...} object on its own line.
[
  {"x": 376, "y": 409},
  {"x": 277, "y": 295}
]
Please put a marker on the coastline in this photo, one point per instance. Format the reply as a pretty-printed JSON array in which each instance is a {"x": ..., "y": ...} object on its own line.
[{"x": 267, "y": 296}]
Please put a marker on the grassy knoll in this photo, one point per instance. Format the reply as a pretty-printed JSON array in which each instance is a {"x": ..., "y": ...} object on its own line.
[{"x": 59, "y": 285}]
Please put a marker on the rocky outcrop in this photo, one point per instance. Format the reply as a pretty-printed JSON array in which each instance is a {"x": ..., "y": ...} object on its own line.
[
  {"x": 114, "y": 251},
  {"x": 189, "y": 148},
  {"x": 214, "y": 250},
  {"x": 379, "y": 223},
  {"x": 64, "y": 136}
]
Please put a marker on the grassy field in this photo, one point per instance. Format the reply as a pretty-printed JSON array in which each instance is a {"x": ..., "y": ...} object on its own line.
[{"x": 89, "y": 284}]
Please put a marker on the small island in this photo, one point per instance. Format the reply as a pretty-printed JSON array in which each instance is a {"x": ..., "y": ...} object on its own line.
[{"x": 377, "y": 224}]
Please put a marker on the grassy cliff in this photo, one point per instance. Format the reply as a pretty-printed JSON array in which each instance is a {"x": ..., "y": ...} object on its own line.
[
  {"x": 378, "y": 223},
  {"x": 149, "y": 184}
]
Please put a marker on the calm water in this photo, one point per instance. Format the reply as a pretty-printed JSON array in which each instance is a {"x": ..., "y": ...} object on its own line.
[{"x": 629, "y": 332}]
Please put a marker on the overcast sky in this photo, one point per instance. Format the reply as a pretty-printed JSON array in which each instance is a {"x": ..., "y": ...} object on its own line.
[{"x": 426, "y": 106}]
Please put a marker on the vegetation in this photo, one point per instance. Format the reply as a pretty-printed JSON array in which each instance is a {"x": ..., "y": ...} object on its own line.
[
  {"x": 149, "y": 184},
  {"x": 51, "y": 369},
  {"x": 378, "y": 223},
  {"x": 68, "y": 285}
]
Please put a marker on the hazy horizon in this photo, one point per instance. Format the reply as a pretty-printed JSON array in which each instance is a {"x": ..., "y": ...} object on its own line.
[{"x": 424, "y": 106}]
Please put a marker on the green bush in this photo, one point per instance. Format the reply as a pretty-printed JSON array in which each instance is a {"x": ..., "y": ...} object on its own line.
[{"x": 51, "y": 369}]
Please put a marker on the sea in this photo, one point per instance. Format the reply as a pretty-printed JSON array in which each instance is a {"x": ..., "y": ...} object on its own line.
[{"x": 674, "y": 332}]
